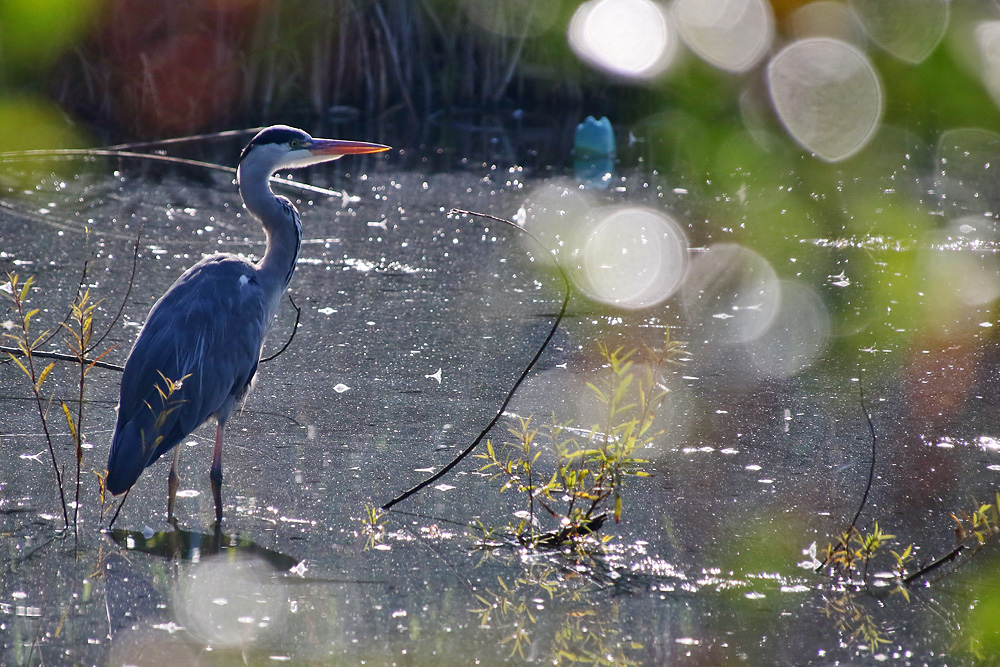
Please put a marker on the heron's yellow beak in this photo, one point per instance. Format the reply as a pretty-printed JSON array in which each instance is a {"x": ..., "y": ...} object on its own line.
[{"x": 340, "y": 147}]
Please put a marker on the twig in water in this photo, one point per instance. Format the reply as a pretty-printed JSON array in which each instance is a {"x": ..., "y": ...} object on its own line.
[
  {"x": 79, "y": 289},
  {"x": 871, "y": 469},
  {"x": 128, "y": 292},
  {"x": 295, "y": 328},
  {"x": 120, "y": 505},
  {"x": 935, "y": 564},
  {"x": 871, "y": 475},
  {"x": 503, "y": 407},
  {"x": 59, "y": 356}
]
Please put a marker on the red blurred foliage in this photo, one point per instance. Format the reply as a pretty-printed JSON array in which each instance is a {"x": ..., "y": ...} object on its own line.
[
  {"x": 173, "y": 67},
  {"x": 939, "y": 375}
]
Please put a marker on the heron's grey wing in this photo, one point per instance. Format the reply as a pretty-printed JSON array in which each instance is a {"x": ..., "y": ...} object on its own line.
[{"x": 204, "y": 333}]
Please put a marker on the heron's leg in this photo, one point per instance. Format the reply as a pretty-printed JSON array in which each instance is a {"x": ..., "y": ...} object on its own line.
[
  {"x": 173, "y": 481},
  {"x": 216, "y": 472}
]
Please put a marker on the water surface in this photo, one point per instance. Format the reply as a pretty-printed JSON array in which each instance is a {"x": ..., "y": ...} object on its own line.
[{"x": 414, "y": 326}]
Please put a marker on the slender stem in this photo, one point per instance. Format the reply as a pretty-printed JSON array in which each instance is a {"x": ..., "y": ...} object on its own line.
[
  {"x": 531, "y": 491},
  {"x": 33, "y": 376},
  {"x": 121, "y": 308},
  {"x": 927, "y": 569},
  {"x": 82, "y": 338},
  {"x": 531, "y": 364},
  {"x": 871, "y": 469},
  {"x": 868, "y": 487},
  {"x": 119, "y": 509},
  {"x": 295, "y": 328},
  {"x": 79, "y": 451},
  {"x": 59, "y": 356},
  {"x": 79, "y": 289}
]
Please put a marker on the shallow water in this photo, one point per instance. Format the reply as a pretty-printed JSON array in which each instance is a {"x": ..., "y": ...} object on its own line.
[{"x": 414, "y": 325}]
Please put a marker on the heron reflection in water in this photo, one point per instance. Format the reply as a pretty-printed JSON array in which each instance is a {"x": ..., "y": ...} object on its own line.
[{"x": 197, "y": 353}]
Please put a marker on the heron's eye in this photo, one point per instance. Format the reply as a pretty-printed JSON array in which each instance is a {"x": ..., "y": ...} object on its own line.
[{"x": 294, "y": 143}]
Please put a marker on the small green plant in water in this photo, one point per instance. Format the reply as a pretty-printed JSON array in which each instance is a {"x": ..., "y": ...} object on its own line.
[
  {"x": 854, "y": 550},
  {"x": 583, "y": 486},
  {"x": 27, "y": 342},
  {"x": 855, "y": 623},
  {"x": 79, "y": 335},
  {"x": 585, "y": 632},
  {"x": 27, "y": 355},
  {"x": 373, "y": 526}
]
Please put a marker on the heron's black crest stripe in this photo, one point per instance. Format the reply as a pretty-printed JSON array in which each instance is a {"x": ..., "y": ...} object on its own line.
[
  {"x": 273, "y": 135},
  {"x": 293, "y": 215}
]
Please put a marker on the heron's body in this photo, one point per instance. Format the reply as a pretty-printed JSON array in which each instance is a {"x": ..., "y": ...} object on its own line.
[{"x": 197, "y": 353}]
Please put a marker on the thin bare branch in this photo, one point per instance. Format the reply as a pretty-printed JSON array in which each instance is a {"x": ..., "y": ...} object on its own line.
[
  {"x": 524, "y": 374},
  {"x": 295, "y": 328}
]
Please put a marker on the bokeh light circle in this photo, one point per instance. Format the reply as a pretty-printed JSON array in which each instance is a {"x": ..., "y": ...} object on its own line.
[
  {"x": 827, "y": 18},
  {"x": 961, "y": 268},
  {"x": 555, "y": 213},
  {"x": 987, "y": 40},
  {"x": 628, "y": 38},
  {"x": 908, "y": 29},
  {"x": 632, "y": 258},
  {"x": 731, "y": 293},
  {"x": 966, "y": 178},
  {"x": 733, "y": 35},
  {"x": 797, "y": 335},
  {"x": 225, "y": 602},
  {"x": 827, "y": 94}
]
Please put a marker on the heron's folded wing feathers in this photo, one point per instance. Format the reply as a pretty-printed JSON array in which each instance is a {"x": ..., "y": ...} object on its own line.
[{"x": 204, "y": 334}]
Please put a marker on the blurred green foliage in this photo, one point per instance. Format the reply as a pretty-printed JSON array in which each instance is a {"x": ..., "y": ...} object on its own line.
[
  {"x": 35, "y": 33},
  {"x": 33, "y": 36}
]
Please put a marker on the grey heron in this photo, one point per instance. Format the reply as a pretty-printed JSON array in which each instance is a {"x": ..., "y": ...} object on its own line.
[{"x": 198, "y": 350}]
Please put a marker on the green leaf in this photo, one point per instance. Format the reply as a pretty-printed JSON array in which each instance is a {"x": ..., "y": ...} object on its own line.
[
  {"x": 69, "y": 417},
  {"x": 622, "y": 387},
  {"x": 28, "y": 316},
  {"x": 45, "y": 373},
  {"x": 600, "y": 394},
  {"x": 19, "y": 364},
  {"x": 25, "y": 288}
]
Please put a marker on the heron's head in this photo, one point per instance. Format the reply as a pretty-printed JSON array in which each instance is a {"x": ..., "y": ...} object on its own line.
[{"x": 282, "y": 147}]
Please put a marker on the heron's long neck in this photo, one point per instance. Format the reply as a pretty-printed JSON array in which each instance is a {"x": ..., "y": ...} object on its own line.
[{"x": 281, "y": 225}]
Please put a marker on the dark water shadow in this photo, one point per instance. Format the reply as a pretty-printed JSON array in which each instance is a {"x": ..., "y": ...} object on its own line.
[{"x": 187, "y": 545}]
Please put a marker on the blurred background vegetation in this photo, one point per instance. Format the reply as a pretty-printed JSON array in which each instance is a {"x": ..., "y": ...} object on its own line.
[
  {"x": 83, "y": 72},
  {"x": 129, "y": 69}
]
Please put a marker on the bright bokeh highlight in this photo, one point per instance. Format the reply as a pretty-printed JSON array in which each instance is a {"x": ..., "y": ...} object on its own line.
[
  {"x": 556, "y": 213},
  {"x": 733, "y": 35},
  {"x": 796, "y": 336},
  {"x": 731, "y": 294},
  {"x": 827, "y": 18},
  {"x": 961, "y": 270},
  {"x": 987, "y": 38},
  {"x": 632, "y": 258},
  {"x": 226, "y": 602},
  {"x": 627, "y": 38},
  {"x": 967, "y": 175},
  {"x": 827, "y": 95},
  {"x": 908, "y": 29}
]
